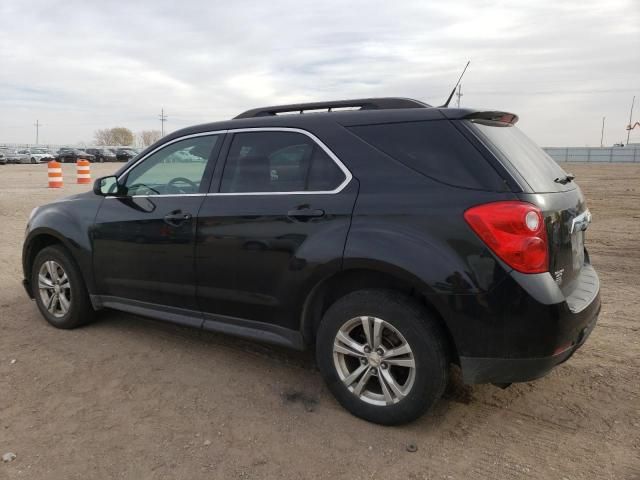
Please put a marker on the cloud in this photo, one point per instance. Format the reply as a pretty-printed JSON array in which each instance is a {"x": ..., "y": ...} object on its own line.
[{"x": 82, "y": 65}]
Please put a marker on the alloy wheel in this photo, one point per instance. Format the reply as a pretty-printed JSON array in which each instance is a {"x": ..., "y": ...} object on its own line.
[
  {"x": 374, "y": 360},
  {"x": 55, "y": 289}
]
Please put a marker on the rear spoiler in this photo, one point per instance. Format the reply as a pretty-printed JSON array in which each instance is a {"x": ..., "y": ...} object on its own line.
[{"x": 493, "y": 117}]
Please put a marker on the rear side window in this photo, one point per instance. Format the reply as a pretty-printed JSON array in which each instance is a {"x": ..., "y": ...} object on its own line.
[
  {"x": 435, "y": 149},
  {"x": 514, "y": 148},
  {"x": 278, "y": 162}
]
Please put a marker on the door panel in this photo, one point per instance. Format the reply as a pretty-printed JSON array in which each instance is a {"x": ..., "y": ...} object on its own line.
[
  {"x": 277, "y": 226},
  {"x": 254, "y": 260},
  {"x": 144, "y": 239},
  {"x": 140, "y": 255}
]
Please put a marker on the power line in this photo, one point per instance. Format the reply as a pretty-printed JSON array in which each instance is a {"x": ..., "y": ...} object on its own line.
[{"x": 163, "y": 118}]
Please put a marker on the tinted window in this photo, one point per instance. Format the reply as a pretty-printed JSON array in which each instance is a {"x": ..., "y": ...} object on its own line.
[
  {"x": 278, "y": 162},
  {"x": 435, "y": 149},
  {"x": 537, "y": 168},
  {"x": 176, "y": 169}
]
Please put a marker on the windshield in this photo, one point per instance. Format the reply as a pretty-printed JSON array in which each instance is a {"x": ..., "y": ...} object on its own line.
[{"x": 517, "y": 150}]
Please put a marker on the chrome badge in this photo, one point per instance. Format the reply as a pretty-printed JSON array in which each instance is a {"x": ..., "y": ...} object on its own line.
[
  {"x": 581, "y": 222},
  {"x": 557, "y": 276}
]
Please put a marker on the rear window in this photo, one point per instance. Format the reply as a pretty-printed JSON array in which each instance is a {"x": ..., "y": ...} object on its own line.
[
  {"x": 516, "y": 150},
  {"x": 435, "y": 149}
]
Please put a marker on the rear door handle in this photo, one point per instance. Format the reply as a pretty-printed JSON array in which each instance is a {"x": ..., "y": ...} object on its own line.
[
  {"x": 305, "y": 213},
  {"x": 177, "y": 218}
]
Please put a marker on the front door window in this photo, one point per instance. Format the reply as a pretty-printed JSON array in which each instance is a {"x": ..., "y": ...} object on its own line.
[{"x": 176, "y": 169}]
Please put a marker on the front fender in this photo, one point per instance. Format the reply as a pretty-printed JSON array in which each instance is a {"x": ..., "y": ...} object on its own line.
[{"x": 69, "y": 222}]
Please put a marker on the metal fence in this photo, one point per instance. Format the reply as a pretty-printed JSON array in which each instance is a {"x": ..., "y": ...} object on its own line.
[{"x": 628, "y": 154}]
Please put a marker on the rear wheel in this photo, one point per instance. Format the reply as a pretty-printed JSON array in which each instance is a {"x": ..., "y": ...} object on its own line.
[
  {"x": 33, "y": 160},
  {"x": 59, "y": 289},
  {"x": 382, "y": 355}
]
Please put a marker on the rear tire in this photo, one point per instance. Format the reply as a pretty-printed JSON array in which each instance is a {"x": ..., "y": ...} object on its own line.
[
  {"x": 59, "y": 289},
  {"x": 399, "y": 387}
]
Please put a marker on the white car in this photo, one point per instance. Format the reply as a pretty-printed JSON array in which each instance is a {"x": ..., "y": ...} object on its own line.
[
  {"x": 37, "y": 155},
  {"x": 13, "y": 156}
]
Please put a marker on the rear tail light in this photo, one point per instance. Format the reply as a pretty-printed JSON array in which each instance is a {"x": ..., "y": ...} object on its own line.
[{"x": 514, "y": 231}]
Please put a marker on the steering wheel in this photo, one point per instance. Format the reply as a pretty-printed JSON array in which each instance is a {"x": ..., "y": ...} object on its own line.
[
  {"x": 172, "y": 185},
  {"x": 134, "y": 188}
]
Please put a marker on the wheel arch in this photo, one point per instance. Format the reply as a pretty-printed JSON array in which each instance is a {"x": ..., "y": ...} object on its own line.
[
  {"x": 38, "y": 240},
  {"x": 331, "y": 289}
]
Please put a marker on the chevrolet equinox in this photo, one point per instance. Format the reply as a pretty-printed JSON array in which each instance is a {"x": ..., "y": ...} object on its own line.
[{"x": 392, "y": 237}]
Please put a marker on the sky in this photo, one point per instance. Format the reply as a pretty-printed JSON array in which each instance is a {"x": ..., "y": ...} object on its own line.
[{"x": 79, "y": 66}]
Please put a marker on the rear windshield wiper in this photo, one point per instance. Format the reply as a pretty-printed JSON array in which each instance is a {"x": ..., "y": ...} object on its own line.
[{"x": 566, "y": 179}]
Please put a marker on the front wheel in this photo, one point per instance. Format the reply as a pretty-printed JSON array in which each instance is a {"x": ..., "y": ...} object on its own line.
[
  {"x": 383, "y": 356},
  {"x": 59, "y": 289}
]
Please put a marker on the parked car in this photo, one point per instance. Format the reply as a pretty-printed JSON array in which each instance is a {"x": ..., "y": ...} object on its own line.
[
  {"x": 394, "y": 240},
  {"x": 72, "y": 155},
  {"x": 102, "y": 154},
  {"x": 38, "y": 155},
  {"x": 14, "y": 156},
  {"x": 3, "y": 156},
  {"x": 125, "y": 154}
]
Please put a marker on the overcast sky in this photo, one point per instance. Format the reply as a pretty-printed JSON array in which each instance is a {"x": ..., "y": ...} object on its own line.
[{"x": 77, "y": 66}]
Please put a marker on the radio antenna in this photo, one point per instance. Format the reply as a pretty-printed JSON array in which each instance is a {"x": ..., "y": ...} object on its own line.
[{"x": 446, "y": 104}]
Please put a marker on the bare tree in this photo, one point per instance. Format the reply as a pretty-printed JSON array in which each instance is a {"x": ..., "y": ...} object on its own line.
[
  {"x": 148, "y": 137},
  {"x": 114, "y": 136},
  {"x": 103, "y": 137},
  {"x": 122, "y": 136}
]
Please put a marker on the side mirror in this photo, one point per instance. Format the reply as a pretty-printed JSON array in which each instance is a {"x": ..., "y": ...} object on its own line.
[{"x": 107, "y": 186}]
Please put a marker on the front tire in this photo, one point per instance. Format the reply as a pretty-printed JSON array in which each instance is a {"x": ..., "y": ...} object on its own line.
[
  {"x": 59, "y": 289},
  {"x": 382, "y": 355}
]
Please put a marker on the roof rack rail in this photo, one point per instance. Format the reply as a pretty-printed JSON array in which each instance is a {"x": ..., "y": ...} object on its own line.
[{"x": 384, "y": 103}]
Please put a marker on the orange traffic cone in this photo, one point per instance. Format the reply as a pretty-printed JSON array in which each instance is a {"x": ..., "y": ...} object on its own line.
[
  {"x": 83, "y": 171},
  {"x": 54, "y": 171}
]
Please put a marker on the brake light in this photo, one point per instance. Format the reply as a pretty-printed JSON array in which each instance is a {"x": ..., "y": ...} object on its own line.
[{"x": 514, "y": 231}]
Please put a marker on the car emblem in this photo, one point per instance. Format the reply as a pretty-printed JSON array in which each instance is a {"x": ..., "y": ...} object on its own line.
[
  {"x": 581, "y": 222},
  {"x": 558, "y": 276}
]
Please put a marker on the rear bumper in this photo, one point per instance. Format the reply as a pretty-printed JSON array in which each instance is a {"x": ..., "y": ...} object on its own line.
[{"x": 512, "y": 370}]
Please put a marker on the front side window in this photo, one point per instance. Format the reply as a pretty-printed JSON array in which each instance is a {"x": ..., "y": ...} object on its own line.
[
  {"x": 176, "y": 169},
  {"x": 278, "y": 162}
]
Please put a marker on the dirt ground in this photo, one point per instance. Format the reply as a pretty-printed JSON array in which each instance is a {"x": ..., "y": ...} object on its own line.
[{"x": 132, "y": 398}]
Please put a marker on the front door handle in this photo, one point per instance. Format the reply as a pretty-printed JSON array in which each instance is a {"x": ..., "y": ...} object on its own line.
[
  {"x": 305, "y": 213},
  {"x": 177, "y": 218}
]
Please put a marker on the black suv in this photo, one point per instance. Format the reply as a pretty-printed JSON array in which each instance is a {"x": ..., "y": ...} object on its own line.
[
  {"x": 125, "y": 154},
  {"x": 393, "y": 237},
  {"x": 102, "y": 154},
  {"x": 72, "y": 155}
]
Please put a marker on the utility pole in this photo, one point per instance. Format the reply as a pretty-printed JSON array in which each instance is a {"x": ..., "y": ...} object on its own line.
[
  {"x": 630, "y": 116},
  {"x": 602, "y": 133},
  {"x": 37, "y": 125},
  {"x": 163, "y": 118},
  {"x": 458, "y": 95}
]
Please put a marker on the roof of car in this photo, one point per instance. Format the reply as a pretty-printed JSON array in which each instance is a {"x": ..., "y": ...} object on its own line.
[{"x": 308, "y": 115}]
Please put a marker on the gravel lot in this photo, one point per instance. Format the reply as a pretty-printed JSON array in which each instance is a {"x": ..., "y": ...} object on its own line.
[{"x": 132, "y": 398}]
